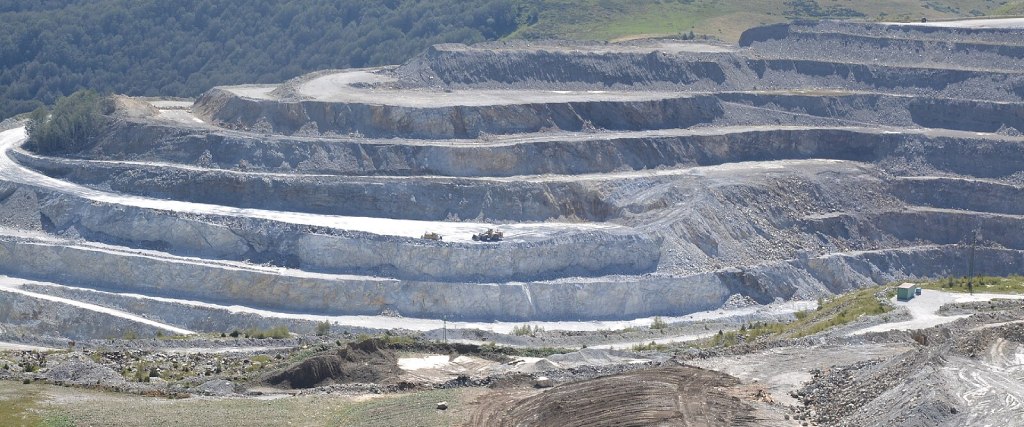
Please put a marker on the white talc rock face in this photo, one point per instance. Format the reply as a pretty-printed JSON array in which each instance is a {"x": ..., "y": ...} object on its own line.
[{"x": 561, "y": 300}]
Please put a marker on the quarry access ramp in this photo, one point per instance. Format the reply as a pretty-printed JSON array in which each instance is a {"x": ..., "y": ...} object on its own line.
[{"x": 643, "y": 178}]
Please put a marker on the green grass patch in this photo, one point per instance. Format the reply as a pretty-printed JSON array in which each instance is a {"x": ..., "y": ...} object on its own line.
[
  {"x": 20, "y": 405},
  {"x": 981, "y": 284},
  {"x": 726, "y": 19},
  {"x": 830, "y": 313},
  {"x": 1011, "y": 8}
]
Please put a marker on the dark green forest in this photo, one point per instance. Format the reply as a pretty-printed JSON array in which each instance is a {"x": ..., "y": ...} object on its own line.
[{"x": 51, "y": 48}]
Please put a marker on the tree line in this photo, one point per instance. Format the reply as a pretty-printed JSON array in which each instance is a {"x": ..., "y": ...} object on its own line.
[{"x": 52, "y": 48}]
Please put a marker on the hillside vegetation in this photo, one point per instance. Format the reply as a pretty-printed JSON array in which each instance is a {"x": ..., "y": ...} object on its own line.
[
  {"x": 52, "y": 48},
  {"x": 181, "y": 48}
]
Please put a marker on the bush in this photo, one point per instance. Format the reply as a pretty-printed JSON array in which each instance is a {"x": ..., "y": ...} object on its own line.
[
  {"x": 234, "y": 333},
  {"x": 76, "y": 123},
  {"x": 323, "y": 328},
  {"x": 522, "y": 330},
  {"x": 658, "y": 323},
  {"x": 277, "y": 332},
  {"x": 653, "y": 346}
]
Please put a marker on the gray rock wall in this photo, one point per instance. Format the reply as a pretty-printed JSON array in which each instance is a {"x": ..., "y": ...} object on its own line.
[
  {"x": 44, "y": 318},
  {"x": 569, "y": 252},
  {"x": 580, "y": 154},
  {"x": 389, "y": 121},
  {"x": 561, "y": 300}
]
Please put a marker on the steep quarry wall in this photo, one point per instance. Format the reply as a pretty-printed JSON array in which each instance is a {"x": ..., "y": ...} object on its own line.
[
  {"x": 556, "y": 154},
  {"x": 962, "y": 194},
  {"x": 568, "y": 253},
  {"x": 458, "y": 65},
  {"x": 565, "y": 299},
  {"x": 38, "y": 317},
  {"x": 471, "y": 121}
]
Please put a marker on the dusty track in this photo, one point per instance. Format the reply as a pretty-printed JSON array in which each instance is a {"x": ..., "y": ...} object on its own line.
[{"x": 679, "y": 396}]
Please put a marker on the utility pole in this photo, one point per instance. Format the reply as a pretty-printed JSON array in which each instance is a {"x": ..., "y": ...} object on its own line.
[{"x": 444, "y": 328}]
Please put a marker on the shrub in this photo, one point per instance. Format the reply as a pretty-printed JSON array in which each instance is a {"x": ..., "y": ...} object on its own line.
[
  {"x": 522, "y": 330},
  {"x": 323, "y": 328},
  {"x": 279, "y": 332},
  {"x": 234, "y": 333},
  {"x": 658, "y": 323},
  {"x": 141, "y": 373},
  {"x": 649, "y": 347}
]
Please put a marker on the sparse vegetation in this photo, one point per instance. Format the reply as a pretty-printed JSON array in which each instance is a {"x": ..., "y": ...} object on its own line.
[
  {"x": 625, "y": 19},
  {"x": 652, "y": 346},
  {"x": 658, "y": 323},
  {"x": 523, "y": 330},
  {"x": 831, "y": 312},
  {"x": 323, "y": 328},
  {"x": 981, "y": 284},
  {"x": 277, "y": 332}
]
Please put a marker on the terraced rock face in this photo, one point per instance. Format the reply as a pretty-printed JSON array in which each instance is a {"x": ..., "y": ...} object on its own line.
[{"x": 630, "y": 180}]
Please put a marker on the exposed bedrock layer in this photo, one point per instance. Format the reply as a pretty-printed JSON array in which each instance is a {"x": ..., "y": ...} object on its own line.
[
  {"x": 406, "y": 198},
  {"x": 962, "y": 194},
  {"x": 938, "y": 227},
  {"x": 764, "y": 66},
  {"x": 457, "y": 65},
  {"x": 442, "y": 122},
  {"x": 40, "y": 317},
  {"x": 562, "y": 300},
  {"x": 557, "y": 154},
  {"x": 179, "y": 313},
  {"x": 804, "y": 34},
  {"x": 982, "y": 156},
  {"x": 568, "y": 252},
  {"x": 891, "y": 110}
]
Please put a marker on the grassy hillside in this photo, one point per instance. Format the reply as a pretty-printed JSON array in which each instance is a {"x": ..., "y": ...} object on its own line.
[{"x": 726, "y": 19}]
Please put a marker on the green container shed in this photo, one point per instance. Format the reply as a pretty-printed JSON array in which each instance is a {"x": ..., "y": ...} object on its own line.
[{"x": 906, "y": 291}]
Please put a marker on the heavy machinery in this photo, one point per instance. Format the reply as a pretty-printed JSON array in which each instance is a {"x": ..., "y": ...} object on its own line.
[
  {"x": 491, "y": 235},
  {"x": 430, "y": 235}
]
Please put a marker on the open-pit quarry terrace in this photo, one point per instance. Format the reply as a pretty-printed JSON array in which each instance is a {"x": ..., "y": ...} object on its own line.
[{"x": 648, "y": 178}]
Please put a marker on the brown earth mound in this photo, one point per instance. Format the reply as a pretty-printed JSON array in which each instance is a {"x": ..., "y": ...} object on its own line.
[
  {"x": 361, "y": 362},
  {"x": 677, "y": 396}
]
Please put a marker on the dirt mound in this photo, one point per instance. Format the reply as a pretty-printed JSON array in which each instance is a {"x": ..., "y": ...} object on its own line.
[
  {"x": 362, "y": 362},
  {"x": 677, "y": 395}
]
